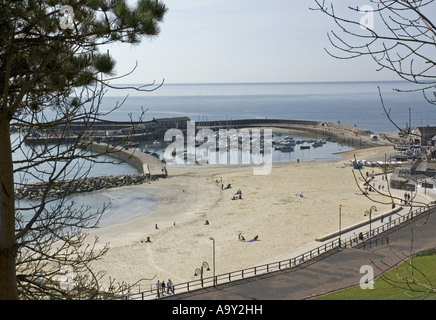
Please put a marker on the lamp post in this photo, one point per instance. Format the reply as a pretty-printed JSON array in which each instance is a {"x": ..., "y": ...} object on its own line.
[
  {"x": 340, "y": 213},
  {"x": 370, "y": 218},
  {"x": 204, "y": 265},
  {"x": 214, "y": 279}
]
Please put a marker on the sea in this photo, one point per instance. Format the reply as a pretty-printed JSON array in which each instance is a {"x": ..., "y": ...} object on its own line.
[
  {"x": 381, "y": 106},
  {"x": 353, "y": 103}
]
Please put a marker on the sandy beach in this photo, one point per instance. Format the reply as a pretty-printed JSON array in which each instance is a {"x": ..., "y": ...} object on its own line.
[{"x": 270, "y": 208}]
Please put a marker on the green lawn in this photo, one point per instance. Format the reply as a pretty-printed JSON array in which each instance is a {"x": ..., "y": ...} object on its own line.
[{"x": 415, "y": 279}]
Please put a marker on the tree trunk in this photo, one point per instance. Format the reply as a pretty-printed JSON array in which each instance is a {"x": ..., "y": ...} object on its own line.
[{"x": 8, "y": 252}]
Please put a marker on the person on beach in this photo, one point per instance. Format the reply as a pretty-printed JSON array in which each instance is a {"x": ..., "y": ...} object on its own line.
[
  {"x": 207, "y": 222},
  {"x": 148, "y": 240}
]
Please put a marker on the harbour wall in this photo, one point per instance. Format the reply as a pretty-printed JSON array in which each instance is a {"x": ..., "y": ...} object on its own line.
[
  {"x": 146, "y": 164},
  {"x": 343, "y": 133},
  {"x": 122, "y": 154}
]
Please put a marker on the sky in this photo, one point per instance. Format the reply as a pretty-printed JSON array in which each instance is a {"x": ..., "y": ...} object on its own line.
[{"x": 234, "y": 41}]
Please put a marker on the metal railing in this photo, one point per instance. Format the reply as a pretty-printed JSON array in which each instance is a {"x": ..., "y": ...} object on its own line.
[{"x": 207, "y": 282}]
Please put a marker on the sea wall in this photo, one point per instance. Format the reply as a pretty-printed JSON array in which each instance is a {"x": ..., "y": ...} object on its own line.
[
  {"x": 145, "y": 163},
  {"x": 136, "y": 159}
]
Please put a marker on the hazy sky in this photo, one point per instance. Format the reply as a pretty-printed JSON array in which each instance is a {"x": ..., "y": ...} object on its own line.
[{"x": 219, "y": 41}]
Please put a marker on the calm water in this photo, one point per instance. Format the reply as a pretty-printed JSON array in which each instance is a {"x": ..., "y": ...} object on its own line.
[
  {"x": 104, "y": 167},
  {"x": 354, "y": 103}
]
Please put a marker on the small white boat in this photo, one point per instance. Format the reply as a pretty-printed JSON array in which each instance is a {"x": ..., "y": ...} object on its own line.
[
  {"x": 156, "y": 143},
  {"x": 289, "y": 141}
]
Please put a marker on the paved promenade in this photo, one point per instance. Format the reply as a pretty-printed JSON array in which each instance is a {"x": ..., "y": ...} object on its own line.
[{"x": 336, "y": 269}]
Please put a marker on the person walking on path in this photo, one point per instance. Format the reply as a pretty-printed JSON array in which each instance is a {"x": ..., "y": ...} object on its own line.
[
  {"x": 158, "y": 288},
  {"x": 162, "y": 285},
  {"x": 170, "y": 287}
]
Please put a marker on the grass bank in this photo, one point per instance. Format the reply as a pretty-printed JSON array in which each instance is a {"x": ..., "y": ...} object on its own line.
[{"x": 414, "y": 279}]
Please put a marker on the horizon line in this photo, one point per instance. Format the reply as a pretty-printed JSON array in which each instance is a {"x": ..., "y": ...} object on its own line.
[{"x": 257, "y": 82}]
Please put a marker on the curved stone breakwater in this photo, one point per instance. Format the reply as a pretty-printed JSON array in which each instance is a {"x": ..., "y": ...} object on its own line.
[
  {"x": 150, "y": 167},
  {"x": 67, "y": 187}
]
